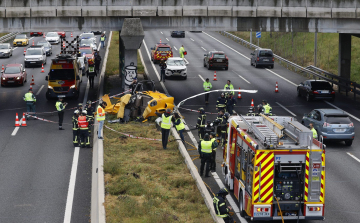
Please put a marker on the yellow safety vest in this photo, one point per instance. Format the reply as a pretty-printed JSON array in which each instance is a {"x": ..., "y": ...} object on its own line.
[
  {"x": 29, "y": 97},
  {"x": 181, "y": 51},
  {"x": 229, "y": 87},
  {"x": 267, "y": 108},
  {"x": 165, "y": 122},
  {"x": 100, "y": 116},
  {"x": 314, "y": 133},
  {"x": 180, "y": 126},
  {"x": 102, "y": 38},
  {"x": 206, "y": 146},
  {"x": 57, "y": 105},
  {"x": 207, "y": 86}
]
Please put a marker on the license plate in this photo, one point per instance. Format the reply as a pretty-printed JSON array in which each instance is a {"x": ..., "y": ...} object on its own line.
[
  {"x": 61, "y": 96},
  {"x": 32, "y": 62},
  {"x": 261, "y": 214},
  {"x": 265, "y": 60},
  {"x": 164, "y": 54},
  {"x": 339, "y": 130},
  {"x": 10, "y": 82},
  {"x": 324, "y": 92},
  {"x": 219, "y": 60},
  {"x": 176, "y": 73}
]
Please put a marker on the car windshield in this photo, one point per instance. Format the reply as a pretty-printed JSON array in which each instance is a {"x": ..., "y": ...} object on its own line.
[
  {"x": 45, "y": 44},
  {"x": 163, "y": 49},
  {"x": 265, "y": 53},
  {"x": 86, "y": 41},
  {"x": 52, "y": 35},
  {"x": 62, "y": 74},
  {"x": 219, "y": 56},
  {"x": 12, "y": 70},
  {"x": 20, "y": 37},
  {"x": 175, "y": 63},
  {"x": 86, "y": 51},
  {"x": 320, "y": 85},
  {"x": 33, "y": 52},
  {"x": 338, "y": 120},
  {"x": 4, "y": 46},
  {"x": 87, "y": 35}
]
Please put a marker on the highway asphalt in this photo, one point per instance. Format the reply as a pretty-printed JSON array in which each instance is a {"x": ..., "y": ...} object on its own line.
[
  {"x": 36, "y": 162},
  {"x": 342, "y": 162}
]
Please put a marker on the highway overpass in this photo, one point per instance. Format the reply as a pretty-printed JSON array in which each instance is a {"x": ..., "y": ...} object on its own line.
[{"x": 243, "y": 15}]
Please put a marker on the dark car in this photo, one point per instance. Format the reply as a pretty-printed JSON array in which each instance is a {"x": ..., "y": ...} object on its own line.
[
  {"x": 13, "y": 74},
  {"x": 62, "y": 34},
  {"x": 331, "y": 124},
  {"x": 36, "y": 33},
  {"x": 96, "y": 32},
  {"x": 47, "y": 46},
  {"x": 216, "y": 59},
  {"x": 316, "y": 89},
  {"x": 262, "y": 57},
  {"x": 178, "y": 34}
]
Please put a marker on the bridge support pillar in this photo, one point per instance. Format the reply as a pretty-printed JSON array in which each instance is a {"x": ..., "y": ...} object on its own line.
[
  {"x": 344, "y": 66},
  {"x": 131, "y": 37}
]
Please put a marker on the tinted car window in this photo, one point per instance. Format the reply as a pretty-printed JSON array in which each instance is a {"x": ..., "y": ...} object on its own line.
[
  {"x": 265, "y": 53},
  {"x": 338, "y": 120},
  {"x": 12, "y": 70},
  {"x": 62, "y": 74},
  {"x": 175, "y": 63},
  {"x": 163, "y": 49},
  {"x": 20, "y": 37},
  {"x": 321, "y": 85},
  {"x": 33, "y": 52},
  {"x": 45, "y": 44},
  {"x": 219, "y": 56}
]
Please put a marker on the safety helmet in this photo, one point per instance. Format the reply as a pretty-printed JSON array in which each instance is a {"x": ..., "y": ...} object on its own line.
[
  {"x": 201, "y": 110},
  {"x": 206, "y": 136},
  {"x": 88, "y": 102},
  {"x": 91, "y": 61},
  {"x": 168, "y": 111},
  {"x": 84, "y": 112},
  {"x": 80, "y": 105},
  {"x": 76, "y": 112},
  {"x": 226, "y": 115},
  {"x": 223, "y": 191},
  {"x": 222, "y": 94},
  {"x": 264, "y": 101}
]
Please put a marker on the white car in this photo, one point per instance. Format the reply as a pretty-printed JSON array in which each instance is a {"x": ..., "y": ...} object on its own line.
[
  {"x": 88, "y": 36},
  {"x": 52, "y": 37},
  {"x": 88, "y": 42},
  {"x": 176, "y": 66}
]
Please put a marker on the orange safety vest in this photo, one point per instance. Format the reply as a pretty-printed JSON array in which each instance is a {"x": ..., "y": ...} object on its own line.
[{"x": 83, "y": 123}]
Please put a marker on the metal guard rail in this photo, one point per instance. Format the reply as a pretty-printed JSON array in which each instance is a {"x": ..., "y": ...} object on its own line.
[
  {"x": 348, "y": 86},
  {"x": 8, "y": 37}
]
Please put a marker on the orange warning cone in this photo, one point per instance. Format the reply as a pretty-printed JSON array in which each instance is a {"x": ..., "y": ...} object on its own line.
[
  {"x": 30, "y": 87},
  {"x": 72, "y": 35},
  {"x": 160, "y": 40},
  {"x": 252, "y": 102},
  {"x": 33, "y": 43},
  {"x": 43, "y": 35},
  {"x": 64, "y": 44},
  {"x": 17, "y": 123},
  {"x": 215, "y": 76},
  {"x": 42, "y": 68},
  {"x": 24, "y": 51},
  {"x": 3, "y": 68},
  {"x": 32, "y": 81},
  {"x": 239, "y": 94},
  {"x": 23, "y": 122},
  {"x": 276, "y": 88}
]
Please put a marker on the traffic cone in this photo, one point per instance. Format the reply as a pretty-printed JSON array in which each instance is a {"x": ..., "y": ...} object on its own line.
[
  {"x": 239, "y": 94},
  {"x": 33, "y": 43},
  {"x": 24, "y": 51},
  {"x": 215, "y": 76},
  {"x": 43, "y": 35},
  {"x": 17, "y": 123},
  {"x": 32, "y": 81},
  {"x": 23, "y": 122},
  {"x": 42, "y": 68},
  {"x": 252, "y": 102},
  {"x": 160, "y": 40},
  {"x": 72, "y": 35},
  {"x": 276, "y": 88},
  {"x": 64, "y": 44},
  {"x": 3, "y": 68},
  {"x": 30, "y": 86}
]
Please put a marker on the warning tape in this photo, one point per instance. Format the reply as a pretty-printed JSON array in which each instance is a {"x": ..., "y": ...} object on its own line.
[
  {"x": 45, "y": 120},
  {"x": 132, "y": 136},
  {"x": 210, "y": 113}
]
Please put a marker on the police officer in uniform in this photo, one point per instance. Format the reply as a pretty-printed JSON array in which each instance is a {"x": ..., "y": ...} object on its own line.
[
  {"x": 60, "y": 107},
  {"x": 102, "y": 40},
  {"x": 165, "y": 126},
  {"x": 207, "y": 87},
  {"x": 221, "y": 103},
  {"x": 220, "y": 207},
  {"x": 213, "y": 154},
  {"x": 30, "y": 102},
  {"x": 266, "y": 108},
  {"x": 83, "y": 122},
  {"x": 200, "y": 125},
  {"x": 163, "y": 66},
  {"x": 180, "y": 127},
  {"x": 229, "y": 86},
  {"x": 75, "y": 128},
  {"x": 205, "y": 150}
]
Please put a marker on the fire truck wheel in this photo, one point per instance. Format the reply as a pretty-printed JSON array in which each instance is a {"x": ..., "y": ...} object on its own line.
[{"x": 241, "y": 205}]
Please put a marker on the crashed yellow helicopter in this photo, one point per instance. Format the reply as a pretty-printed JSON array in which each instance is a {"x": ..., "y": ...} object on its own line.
[{"x": 142, "y": 103}]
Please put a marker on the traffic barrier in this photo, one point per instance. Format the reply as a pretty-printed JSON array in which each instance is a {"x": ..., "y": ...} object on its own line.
[
  {"x": 33, "y": 43},
  {"x": 3, "y": 68},
  {"x": 23, "y": 122},
  {"x": 42, "y": 68},
  {"x": 252, "y": 102},
  {"x": 215, "y": 79},
  {"x": 276, "y": 88},
  {"x": 72, "y": 35},
  {"x": 24, "y": 51},
  {"x": 239, "y": 94},
  {"x": 17, "y": 123},
  {"x": 160, "y": 40},
  {"x": 32, "y": 80}
]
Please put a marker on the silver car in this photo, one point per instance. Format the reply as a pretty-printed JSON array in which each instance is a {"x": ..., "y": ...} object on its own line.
[
  {"x": 5, "y": 50},
  {"x": 332, "y": 124}
]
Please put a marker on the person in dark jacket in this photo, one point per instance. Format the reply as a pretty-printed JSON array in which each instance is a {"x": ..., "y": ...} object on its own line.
[
  {"x": 97, "y": 62},
  {"x": 220, "y": 207},
  {"x": 230, "y": 103},
  {"x": 221, "y": 103},
  {"x": 180, "y": 127},
  {"x": 163, "y": 66},
  {"x": 165, "y": 126},
  {"x": 91, "y": 73},
  {"x": 201, "y": 121},
  {"x": 213, "y": 154}
]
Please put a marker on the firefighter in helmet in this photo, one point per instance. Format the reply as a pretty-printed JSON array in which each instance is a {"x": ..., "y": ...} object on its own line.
[
  {"x": 201, "y": 121},
  {"x": 221, "y": 209}
]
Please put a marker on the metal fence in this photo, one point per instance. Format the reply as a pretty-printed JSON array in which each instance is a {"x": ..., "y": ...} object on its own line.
[
  {"x": 8, "y": 37},
  {"x": 311, "y": 71}
]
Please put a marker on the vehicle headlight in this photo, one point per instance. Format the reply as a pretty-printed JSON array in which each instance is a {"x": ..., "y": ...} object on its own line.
[
  {"x": 25, "y": 59},
  {"x": 211, "y": 124},
  {"x": 40, "y": 58},
  {"x": 72, "y": 86},
  {"x": 49, "y": 87},
  {"x": 18, "y": 78},
  {"x": 3, "y": 78}
]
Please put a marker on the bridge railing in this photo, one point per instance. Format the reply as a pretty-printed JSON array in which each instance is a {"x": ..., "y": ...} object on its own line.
[
  {"x": 8, "y": 37},
  {"x": 310, "y": 71}
]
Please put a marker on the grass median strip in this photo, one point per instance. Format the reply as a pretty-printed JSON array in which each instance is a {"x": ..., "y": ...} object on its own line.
[{"x": 145, "y": 183}]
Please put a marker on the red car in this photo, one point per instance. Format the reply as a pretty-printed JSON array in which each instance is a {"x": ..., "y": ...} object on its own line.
[
  {"x": 13, "y": 74},
  {"x": 36, "y": 33},
  {"x": 62, "y": 34},
  {"x": 88, "y": 52}
]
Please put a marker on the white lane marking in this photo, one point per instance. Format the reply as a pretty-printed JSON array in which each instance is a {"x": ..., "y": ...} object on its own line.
[
  {"x": 357, "y": 159},
  {"x": 352, "y": 116},
  {"x": 16, "y": 129},
  {"x": 282, "y": 77},
  {"x": 175, "y": 48},
  {"x": 241, "y": 77},
  {"x": 192, "y": 39},
  {"x": 203, "y": 48},
  {"x": 186, "y": 61},
  {"x": 37, "y": 93},
  {"x": 161, "y": 32},
  {"x": 14, "y": 48},
  {"x": 285, "y": 109},
  {"x": 228, "y": 197},
  {"x": 70, "y": 195},
  {"x": 167, "y": 39},
  {"x": 201, "y": 78},
  {"x": 31, "y": 38}
]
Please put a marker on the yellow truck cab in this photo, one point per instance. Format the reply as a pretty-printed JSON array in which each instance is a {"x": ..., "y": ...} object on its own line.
[{"x": 63, "y": 77}]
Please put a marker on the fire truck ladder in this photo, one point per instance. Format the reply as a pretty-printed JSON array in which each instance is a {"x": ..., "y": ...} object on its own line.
[{"x": 266, "y": 136}]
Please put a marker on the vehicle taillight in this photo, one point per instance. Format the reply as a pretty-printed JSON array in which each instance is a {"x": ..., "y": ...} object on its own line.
[
  {"x": 333, "y": 92},
  {"x": 273, "y": 59},
  {"x": 326, "y": 124},
  {"x": 258, "y": 59},
  {"x": 212, "y": 57},
  {"x": 266, "y": 209},
  {"x": 315, "y": 92},
  {"x": 314, "y": 208},
  {"x": 258, "y": 209},
  {"x": 351, "y": 125},
  {"x": 226, "y": 58}
]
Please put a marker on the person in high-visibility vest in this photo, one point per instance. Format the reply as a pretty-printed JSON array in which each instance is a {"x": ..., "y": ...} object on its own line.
[
  {"x": 91, "y": 73},
  {"x": 266, "y": 108},
  {"x": 229, "y": 86},
  {"x": 181, "y": 51},
  {"x": 102, "y": 40},
  {"x": 83, "y": 122},
  {"x": 179, "y": 125},
  {"x": 220, "y": 207},
  {"x": 100, "y": 117},
  {"x": 315, "y": 135},
  {"x": 60, "y": 107},
  {"x": 213, "y": 154},
  {"x": 207, "y": 87},
  {"x": 201, "y": 121},
  {"x": 205, "y": 150},
  {"x": 30, "y": 102},
  {"x": 165, "y": 126},
  {"x": 75, "y": 128}
]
